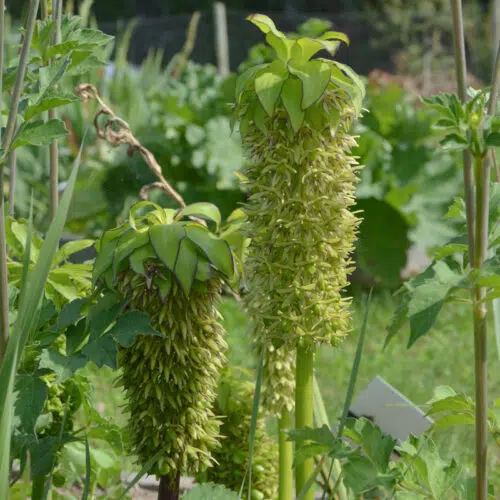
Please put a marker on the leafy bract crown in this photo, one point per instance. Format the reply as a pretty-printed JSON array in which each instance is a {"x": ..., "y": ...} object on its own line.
[
  {"x": 295, "y": 80},
  {"x": 166, "y": 245}
]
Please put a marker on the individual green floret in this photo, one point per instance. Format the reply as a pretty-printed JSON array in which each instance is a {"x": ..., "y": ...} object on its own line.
[
  {"x": 295, "y": 115},
  {"x": 171, "y": 267}
]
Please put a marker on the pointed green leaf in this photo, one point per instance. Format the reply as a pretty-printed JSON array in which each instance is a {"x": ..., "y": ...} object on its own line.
[
  {"x": 51, "y": 100},
  {"x": 31, "y": 396},
  {"x": 139, "y": 256},
  {"x": 186, "y": 264},
  {"x": 132, "y": 215},
  {"x": 335, "y": 35},
  {"x": 315, "y": 76},
  {"x": 268, "y": 84},
  {"x": 131, "y": 324},
  {"x": 217, "y": 250},
  {"x": 106, "y": 247},
  {"x": 127, "y": 243},
  {"x": 305, "y": 48},
  {"x": 70, "y": 248},
  {"x": 291, "y": 96},
  {"x": 265, "y": 24},
  {"x": 203, "y": 271},
  {"x": 259, "y": 117},
  {"x": 244, "y": 79},
  {"x": 205, "y": 211},
  {"x": 51, "y": 74},
  {"x": 166, "y": 242},
  {"x": 63, "y": 366},
  {"x": 282, "y": 46},
  {"x": 102, "y": 351},
  {"x": 164, "y": 285},
  {"x": 39, "y": 133},
  {"x": 70, "y": 313}
]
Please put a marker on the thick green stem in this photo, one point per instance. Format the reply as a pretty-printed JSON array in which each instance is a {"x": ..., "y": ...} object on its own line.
[
  {"x": 285, "y": 457},
  {"x": 38, "y": 487},
  {"x": 304, "y": 411}
]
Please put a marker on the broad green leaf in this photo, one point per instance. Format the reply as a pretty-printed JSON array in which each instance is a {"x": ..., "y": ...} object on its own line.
[
  {"x": 51, "y": 100},
  {"x": 353, "y": 76},
  {"x": 453, "y": 419},
  {"x": 131, "y": 324},
  {"x": 203, "y": 271},
  {"x": 265, "y": 24},
  {"x": 423, "y": 321},
  {"x": 132, "y": 214},
  {"x": 50, "y": 76},
  {"x": 76, "y": 335},
  {"x": 88, "y": 37},
  {"x": 305, "y": 48},
  {"x": 377, "y": 446},
  {"x": 62, "y": 49},
  {"x": 361, "y": 475},
  {"x": 70, "y": 313},
  {"x": 166, "y": 241},
  {"x": 335, "y": 35},
  {"x": 268, "y": 84},
  {"x": 259, "y": 116},
  {"x": 82, "y": 65},
  {"x": 106, "y": 247},
  {"x": 63, "y": 366},
  {"x": 455, "y": 403},
  {"x": 69, "y": 249},
  {"x": 38, "y": 133},
  {"x": 291, "y": 95},
  {"x": 102, "y": 351},
  {"x": 42, "y": 35},
  {"x": 217, "y": 250},
  {"x": 43, "y": 453},
  {"x": 31, "y": 393},
  {"x": 128, "y": 243},
  {"x": 186, "y": 264},
  {"x": 282, "y": 46},
  {"x": 244, "y": 79},
  {"x": 103, "y": 314},
  {"x": 205, "y": 211},
  {"x": 315, "y": 76},
  {"x": 139, "y": 256}
]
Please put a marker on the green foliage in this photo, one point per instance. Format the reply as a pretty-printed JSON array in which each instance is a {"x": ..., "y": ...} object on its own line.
[{"x": 261, "y": 89}]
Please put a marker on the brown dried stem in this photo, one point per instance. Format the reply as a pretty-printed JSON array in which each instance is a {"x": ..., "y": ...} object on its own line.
[{"x": 116, "y": 132}]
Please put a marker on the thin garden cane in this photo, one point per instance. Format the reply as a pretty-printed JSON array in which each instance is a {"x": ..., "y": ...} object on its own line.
[
  {"x": 477, "y": 225},
  {"x": 295, "y": 114},
  {"x": 6, "y": 142}
]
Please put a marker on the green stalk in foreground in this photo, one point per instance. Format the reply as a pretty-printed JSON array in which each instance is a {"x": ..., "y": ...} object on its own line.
[
  {"x": 295, "y": 115},
  {"x": 285, "y": 457}
]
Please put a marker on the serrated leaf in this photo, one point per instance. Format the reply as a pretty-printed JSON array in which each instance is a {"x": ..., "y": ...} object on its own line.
[
  {"x": 63, "y": 366},
  {"x": 186, "y": 264},
  {"x": 38, "y": 133},
  {"x": 291, "y": 96},
  {"x": 50, "y": 76},
  {"x": 210, "y": 491},
  {"x": 80, "y": 65},
  {"x": 102, "y": 351},
  {"x": 88, "y": 37},
  {"x": 216, "y": 250},
  {"x": 131, "y": 324},
  {"x": 103, "y": 314},
  {"x": 51, "y": 100},
  {"x": 206, "y": 211},
  {"x": 70, "y": 313},
  {"x": 453, "y": 419},
  {"x": 31, "y": 393},
  {"x": 43, "y": 453},
  {"x": 166, "y": 240},
  {"x": 454, "y": 142},
  {"x": 268, "y": 84},
  {"x": 377, "y": 446},
  {"x": 453, "y": 403},
  {"x": 315, "y": 76}
]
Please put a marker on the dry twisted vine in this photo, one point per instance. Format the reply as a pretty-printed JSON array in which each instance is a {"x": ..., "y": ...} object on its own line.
[{"x": 116, "y": 132}]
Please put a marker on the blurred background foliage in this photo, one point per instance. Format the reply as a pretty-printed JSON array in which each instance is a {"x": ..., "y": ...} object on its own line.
[{"x": 181, "y": 111}]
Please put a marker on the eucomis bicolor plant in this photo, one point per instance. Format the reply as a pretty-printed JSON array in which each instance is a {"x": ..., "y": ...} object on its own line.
[
  {"x": 172, "y": 267},
  {"x": 295, "y": 116}
]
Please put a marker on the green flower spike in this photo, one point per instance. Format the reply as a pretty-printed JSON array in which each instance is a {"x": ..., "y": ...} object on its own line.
[
  {"x": 295, "y": 115},
  {"x": 172, "y": 267}
]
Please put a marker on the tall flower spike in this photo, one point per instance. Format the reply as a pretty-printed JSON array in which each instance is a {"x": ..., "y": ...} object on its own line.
[
  {"x": 295, "y": 115},
  {"x": 172, "y": 267}
]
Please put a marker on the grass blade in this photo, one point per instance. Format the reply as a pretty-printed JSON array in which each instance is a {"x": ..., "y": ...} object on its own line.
[
  {"x": 253, "y": 425},
  {"x": 88, "y": 470},
  {"x": 24, "y": 324},
  {"x": 355, "y": 366},
  {"x": 141, "y": 473}
]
